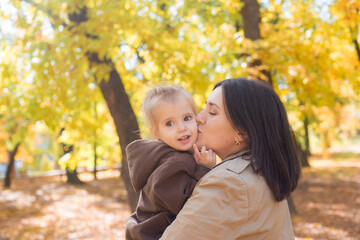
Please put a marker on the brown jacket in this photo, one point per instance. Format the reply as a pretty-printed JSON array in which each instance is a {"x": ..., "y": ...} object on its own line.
[
  {"x": 166, "y": 178},
  {"x": 232, "y": 202}
]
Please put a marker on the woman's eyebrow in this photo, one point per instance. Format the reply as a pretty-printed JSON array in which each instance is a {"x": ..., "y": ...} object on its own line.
[{"x": 212, "y": 104}]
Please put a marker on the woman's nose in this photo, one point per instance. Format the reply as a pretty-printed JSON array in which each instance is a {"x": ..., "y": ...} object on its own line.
[{"x": 200, "y": 118}]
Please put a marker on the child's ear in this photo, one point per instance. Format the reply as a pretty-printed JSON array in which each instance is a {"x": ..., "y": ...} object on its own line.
[{"x": 153, "y": 132}]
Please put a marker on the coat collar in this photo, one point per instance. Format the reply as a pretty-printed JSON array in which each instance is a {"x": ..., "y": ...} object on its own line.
[
  {"x": 238, "y": 154},
  {"x": 240, "y": 165}
]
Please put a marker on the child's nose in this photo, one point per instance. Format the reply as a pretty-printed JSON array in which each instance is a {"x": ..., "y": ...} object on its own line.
[{"x": 182, "y": 127}]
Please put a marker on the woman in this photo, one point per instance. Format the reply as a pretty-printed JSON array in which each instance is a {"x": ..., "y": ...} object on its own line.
[{"x": 244, "y": 196}]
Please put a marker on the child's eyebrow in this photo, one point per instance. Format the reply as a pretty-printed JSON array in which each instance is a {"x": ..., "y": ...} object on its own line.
[{"x": 167, "y": 119}]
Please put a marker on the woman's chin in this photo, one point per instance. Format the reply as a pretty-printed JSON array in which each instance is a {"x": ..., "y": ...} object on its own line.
[{"x": 200, "y": 144}]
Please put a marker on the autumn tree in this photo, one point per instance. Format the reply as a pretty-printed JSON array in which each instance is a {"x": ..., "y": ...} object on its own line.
[
  {"x": 14, "y": 117},
  {"x": 304, "y": 49},
  {"x": 105, "y": 42}
]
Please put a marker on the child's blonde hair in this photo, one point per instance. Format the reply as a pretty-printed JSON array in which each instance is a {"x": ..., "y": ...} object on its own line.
[{"x": 162, "y": 95}]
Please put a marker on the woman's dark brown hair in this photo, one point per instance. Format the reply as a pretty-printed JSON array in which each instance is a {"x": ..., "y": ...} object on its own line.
[{"x": 256, "y": 110}]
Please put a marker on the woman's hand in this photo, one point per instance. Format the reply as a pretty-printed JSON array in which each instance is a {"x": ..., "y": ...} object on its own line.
[{"x": 207, "y": 159}]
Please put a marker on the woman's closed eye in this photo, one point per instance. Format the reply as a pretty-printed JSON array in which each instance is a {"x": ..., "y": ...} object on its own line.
[
  {"x": 169, "y": 123},
  {"x": 211, "y": 110}
]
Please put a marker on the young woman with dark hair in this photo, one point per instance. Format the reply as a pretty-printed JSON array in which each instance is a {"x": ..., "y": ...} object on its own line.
[
  {"x": 244, "y": 196},
  {"x": 270, "y": 139}
]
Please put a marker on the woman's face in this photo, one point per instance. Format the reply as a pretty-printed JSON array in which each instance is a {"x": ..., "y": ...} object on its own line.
[{"x": 214, "y": 129}]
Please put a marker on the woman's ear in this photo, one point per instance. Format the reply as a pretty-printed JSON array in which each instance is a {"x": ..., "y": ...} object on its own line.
[{"x": 240, "y": 138}]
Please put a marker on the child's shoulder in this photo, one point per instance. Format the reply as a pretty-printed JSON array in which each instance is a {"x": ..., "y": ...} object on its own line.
[
  {"x": 144, "y": 142},
  {"x": 149, "y": 148}
]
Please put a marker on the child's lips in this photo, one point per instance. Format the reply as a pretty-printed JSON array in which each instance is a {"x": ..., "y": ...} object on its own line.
[{"x": 184, "y": 139}]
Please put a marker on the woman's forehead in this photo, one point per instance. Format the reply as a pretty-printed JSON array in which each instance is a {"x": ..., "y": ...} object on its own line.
[{"x": 216, "y": 98}]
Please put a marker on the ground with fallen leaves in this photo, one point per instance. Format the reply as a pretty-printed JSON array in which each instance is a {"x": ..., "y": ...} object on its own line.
[{"x": 327, "y": 200}]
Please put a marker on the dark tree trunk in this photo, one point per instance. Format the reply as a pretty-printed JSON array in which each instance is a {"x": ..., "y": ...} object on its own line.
[
  {"x": 291, "y": 204},
  {"x": 307, "y": 139},
  {"x": 303, "y": 157},
  {"x": 11, "y": 164},
  {"x": 95, "y": 161},
  {"x": 125, "y": 122},
  {"x": 95, "y": 153},
  {"x": 326, "y": 144},
  {"x": 119, "y": 106},
  {"x": 250, "y": 13},
  {"x": 357, "y": 48},
  {"x": 72, "y": 176},
  {"x": 117, "y": 101}
]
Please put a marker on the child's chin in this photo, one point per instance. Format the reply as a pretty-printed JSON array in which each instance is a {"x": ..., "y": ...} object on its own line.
[{"x": 189, "y": 149}]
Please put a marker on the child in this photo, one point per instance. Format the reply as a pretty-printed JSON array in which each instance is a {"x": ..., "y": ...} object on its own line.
[{"x": 165, "y": 171}]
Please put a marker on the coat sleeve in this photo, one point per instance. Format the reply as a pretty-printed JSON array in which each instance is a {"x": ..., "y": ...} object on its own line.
[
  {"x": 218, "y": 205},
  {"x": 172, "y": 185},
  {"x": 200, "y": 171}
]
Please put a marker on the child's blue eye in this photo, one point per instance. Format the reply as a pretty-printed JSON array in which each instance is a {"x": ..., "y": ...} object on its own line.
[
  {"x": 169, "y": 123},
  {"x": 188, "y": 118}
]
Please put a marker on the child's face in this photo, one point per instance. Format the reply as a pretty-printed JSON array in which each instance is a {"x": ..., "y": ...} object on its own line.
[{"x": 176, "y": 125}]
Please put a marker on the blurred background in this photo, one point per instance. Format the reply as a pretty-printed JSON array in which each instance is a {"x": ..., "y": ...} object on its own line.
[{"x": 73, "y": 74}]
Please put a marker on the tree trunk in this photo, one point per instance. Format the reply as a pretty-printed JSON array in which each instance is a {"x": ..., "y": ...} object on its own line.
[
  {"x": 73, "y": 177},
  {"x": 250, "y": 13},
  {"x": 291, "y": 204},
  {"x": 119, "y": 106},
  {"x": 326, "y": 144},
  {"x": 307, "y": 139},
  {"x": 303, "y": 157},
  {"x": 125, "y": 122},
  {"x": 117, "y": 100},
  {"x": 95, "y": 153},
  {"x": 95, "y": 161},
  {"x": 11, "y": 164},
  {"x": 357, "y": 48}
]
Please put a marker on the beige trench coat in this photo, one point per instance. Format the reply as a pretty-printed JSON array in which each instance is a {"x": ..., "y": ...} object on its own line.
[{"x": 232, "y": 202}]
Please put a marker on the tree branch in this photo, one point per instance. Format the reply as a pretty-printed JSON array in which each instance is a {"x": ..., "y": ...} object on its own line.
[{"x": 357, "y": 47}]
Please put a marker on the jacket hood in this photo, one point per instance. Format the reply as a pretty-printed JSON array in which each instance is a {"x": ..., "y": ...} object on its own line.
[{"x": 144, "y": 156}]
